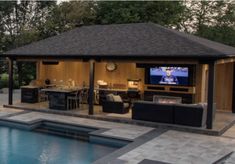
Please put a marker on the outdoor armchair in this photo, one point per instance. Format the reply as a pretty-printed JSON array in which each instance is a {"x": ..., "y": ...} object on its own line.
[{"x": 115, "y": 104}]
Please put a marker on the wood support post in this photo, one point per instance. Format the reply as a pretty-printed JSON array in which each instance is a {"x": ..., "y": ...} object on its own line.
[
  {"x": 91, "y": 87},
  {"x": 211, "y": 95},
  {"x": 10, "y": 81},
  {"x": 233, "y": 98}
]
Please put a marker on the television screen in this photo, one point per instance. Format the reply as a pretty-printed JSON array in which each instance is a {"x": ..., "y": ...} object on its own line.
[{"x": 169, "y": 75}]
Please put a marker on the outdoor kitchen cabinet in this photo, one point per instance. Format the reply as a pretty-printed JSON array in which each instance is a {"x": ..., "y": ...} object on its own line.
[{"x": 29, "y": 94}]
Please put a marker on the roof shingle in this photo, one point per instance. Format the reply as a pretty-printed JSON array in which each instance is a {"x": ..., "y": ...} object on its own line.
[{"x": 125, "y": 40}]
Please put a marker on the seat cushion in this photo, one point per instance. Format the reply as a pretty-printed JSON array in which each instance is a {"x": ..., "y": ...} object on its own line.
[
  {"x": 188, "y": 114},
  {"x": 126, "y": 105},
  {"x": 155, "y": 112},
  {"x": 117, "y": 98}
]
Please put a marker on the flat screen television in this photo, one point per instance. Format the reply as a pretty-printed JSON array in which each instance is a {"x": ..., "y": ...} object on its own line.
[{"x": 163, "y": 75}]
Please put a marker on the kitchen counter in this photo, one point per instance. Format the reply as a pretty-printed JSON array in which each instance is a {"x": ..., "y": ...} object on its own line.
[
  {"x": 30, "y": 87},
  {"x": 62, "y": 90}
]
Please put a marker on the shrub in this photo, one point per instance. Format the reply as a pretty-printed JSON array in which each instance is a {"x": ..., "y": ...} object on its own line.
[
  {"x": 4, "y": 76},
  {"x": 4, "y": 81}
]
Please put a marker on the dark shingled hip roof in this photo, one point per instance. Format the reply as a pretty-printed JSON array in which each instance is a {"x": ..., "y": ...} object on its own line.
[{"x": 146, "y": 40}]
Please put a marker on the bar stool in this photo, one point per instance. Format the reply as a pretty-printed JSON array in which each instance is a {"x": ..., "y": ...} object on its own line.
[
  {"x": 74, "y": 100},
  {"x": 84, "y": 96}
]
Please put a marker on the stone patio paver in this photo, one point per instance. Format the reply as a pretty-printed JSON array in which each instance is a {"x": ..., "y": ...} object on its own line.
[
  {"x": 4, "y": 97},
  {"x": 230, "y": 133},
  {"x": 181, "y": 148},
  {"x": 7, "y": 111}
]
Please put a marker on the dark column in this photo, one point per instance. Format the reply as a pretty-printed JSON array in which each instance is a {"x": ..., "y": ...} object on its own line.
[
  {"x": 210, "y": 95},
  {"x": 233, "y": 99},
  {"x": 91, "y": 87},
  {"x": 10, "y": 81}
]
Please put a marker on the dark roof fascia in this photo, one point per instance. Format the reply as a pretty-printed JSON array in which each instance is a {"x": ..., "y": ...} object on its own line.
[{"x": 102, "y": 57}]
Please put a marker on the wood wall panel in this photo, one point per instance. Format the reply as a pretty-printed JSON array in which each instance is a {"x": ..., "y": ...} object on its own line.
[
  {"x": 224, "y": 85},
  {"x": 79, "y": 71},
  {"x": 120, "y": 75},
  {"x": 204, "y": 84},
  {"x": 223, "y": 82},
  {"x": 198, "y": 95}
]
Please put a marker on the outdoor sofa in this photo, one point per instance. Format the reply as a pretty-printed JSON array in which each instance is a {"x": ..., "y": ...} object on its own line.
[{"x": 182, "y": 114}]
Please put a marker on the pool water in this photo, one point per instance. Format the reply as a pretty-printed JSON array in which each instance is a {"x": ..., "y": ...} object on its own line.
[{"x": 19, "y": 146}]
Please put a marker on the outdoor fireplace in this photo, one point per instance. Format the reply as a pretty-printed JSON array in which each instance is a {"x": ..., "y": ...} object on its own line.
[{"x": 167, "y": 99}]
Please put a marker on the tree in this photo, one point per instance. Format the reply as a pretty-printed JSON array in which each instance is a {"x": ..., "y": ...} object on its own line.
[
  {"x": 214, "y": 20},
  {"x": 162, "y": 12},
  {"x": 20, "y": 24},
  {"x": 223, "y": 30},
  {"x": 68, "y": 15}
]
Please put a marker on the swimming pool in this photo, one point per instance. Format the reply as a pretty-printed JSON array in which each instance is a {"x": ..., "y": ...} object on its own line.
[{"x": 20, "y": 146}]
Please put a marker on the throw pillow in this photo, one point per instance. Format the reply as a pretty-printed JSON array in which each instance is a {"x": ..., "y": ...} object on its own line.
[{"x": 109, "y": 97}]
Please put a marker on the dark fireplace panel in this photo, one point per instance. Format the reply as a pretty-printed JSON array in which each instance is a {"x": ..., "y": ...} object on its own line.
[{"x": 186, "y": 98}]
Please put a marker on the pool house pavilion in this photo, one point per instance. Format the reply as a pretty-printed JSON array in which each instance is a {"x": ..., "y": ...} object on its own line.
[{"x": 138, "y": 71}]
